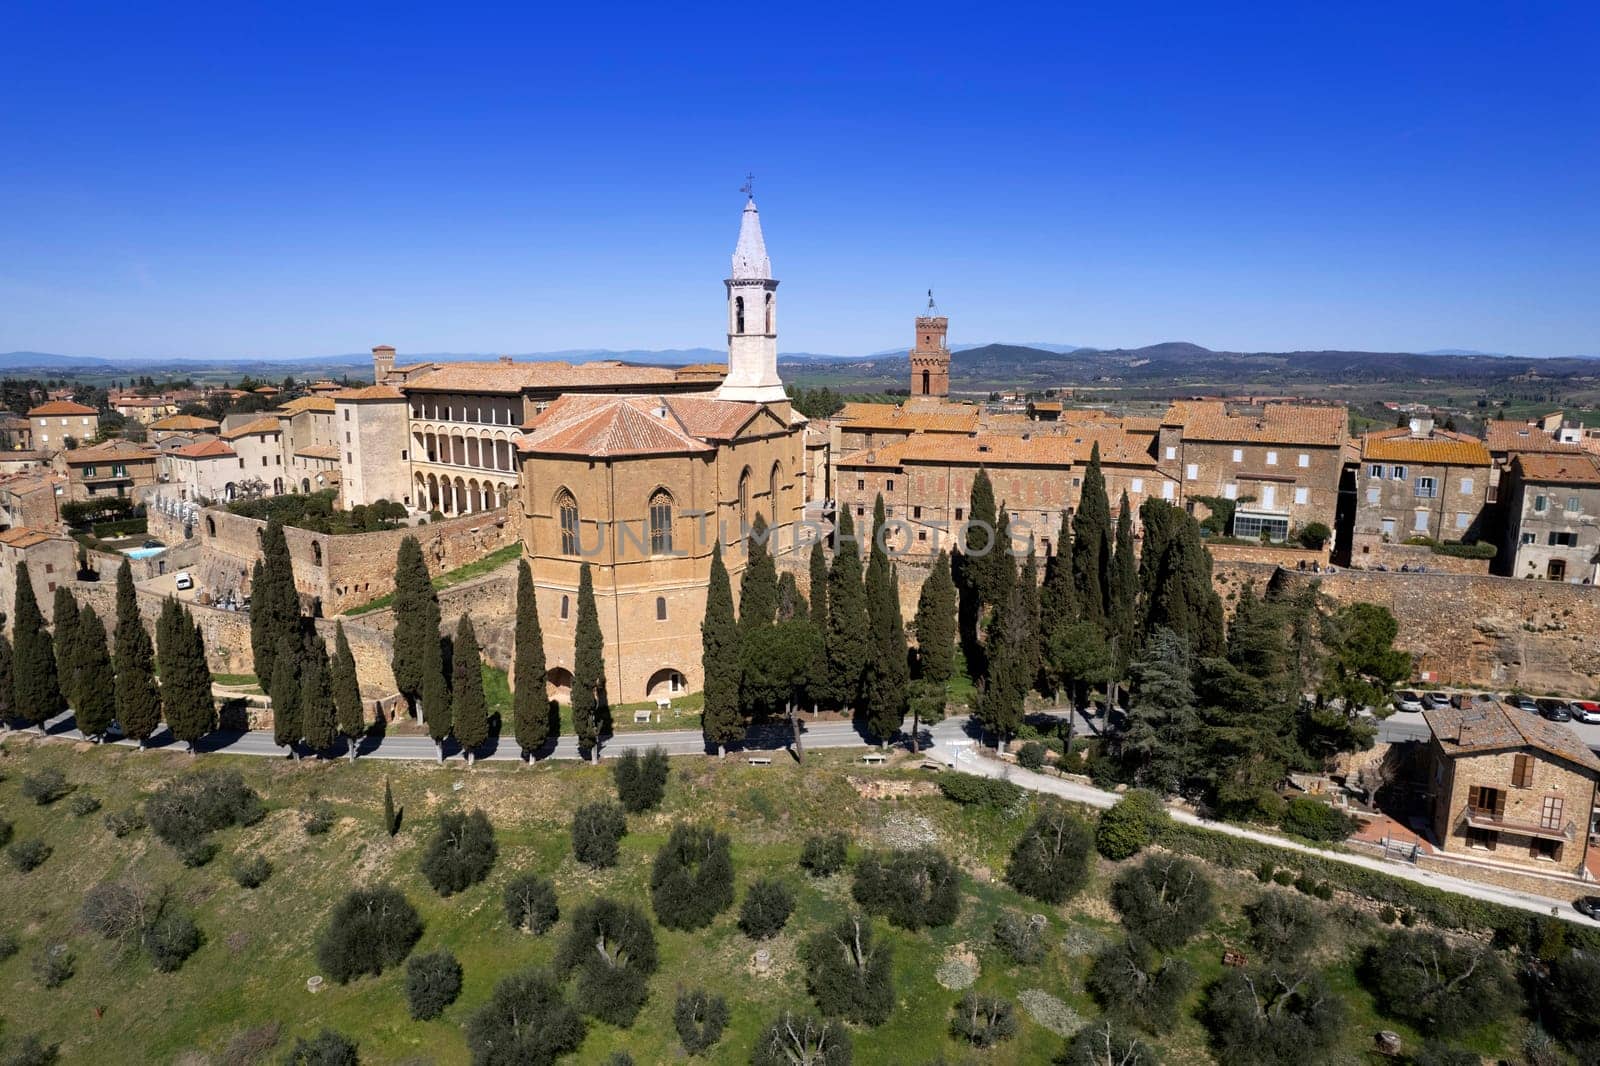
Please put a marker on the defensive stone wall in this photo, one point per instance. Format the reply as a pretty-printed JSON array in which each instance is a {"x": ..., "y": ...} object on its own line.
[
  {"x": 1374, "y": 554},
  {"x": 1275, "y": 555}
]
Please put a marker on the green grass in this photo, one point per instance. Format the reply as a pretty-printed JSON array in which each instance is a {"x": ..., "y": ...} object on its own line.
[
  {"x": 493, "y": 561},
  {"x": 259, "y": 947},
  {"x": 497, "y": 690},
  {"x": 235, "y": 680}
]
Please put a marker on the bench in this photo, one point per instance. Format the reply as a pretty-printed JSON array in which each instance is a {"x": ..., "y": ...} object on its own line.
[
  {"x": 874, "y": 757},
  {"x": 760, "y": 760},
  {"x": 640, "y": 717}
]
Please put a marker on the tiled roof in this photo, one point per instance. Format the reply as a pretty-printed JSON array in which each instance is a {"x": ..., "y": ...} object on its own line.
[
  {"x": 23, "y": 537},
  {"x": 1046, "y": 405},
  {"x": 369, "y": 392},
  {"x": 268, "y": 390},
  {"x": 1442, "y": 446},
  {"x": 696, "y": 370},
  {"x": 318, "y": 451},
  {"x": 1578, "y": 468},
  {"x": 1491, "y": 726},
  {"x": 211, "y": 449},
  {"x": 710, "y": 418},
  {"x": 181, "y": 422},
  {"x": 945, "y": 418},
  {"x": 253, "y": 428},
  {"x": 609, "y": 426},
  {"x": 321, "y": 404},
  {"x": 1504, "y": 436},
  {"x": 324, "y": 386},
  {"x": 111, "y": 449},
  {"x": 144, "y": 401},
  {"x": 61, "y": 407},
  {"x": 1278, "y": 423},
  {"x": 513, "y": 378},
  {"x": 1045, "y": 450}
]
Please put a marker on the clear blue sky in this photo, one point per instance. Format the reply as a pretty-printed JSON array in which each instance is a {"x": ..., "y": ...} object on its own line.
[{"x": 300, "y": 180}]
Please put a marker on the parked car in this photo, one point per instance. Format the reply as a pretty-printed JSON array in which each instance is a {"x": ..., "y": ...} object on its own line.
[
  {"x": 1585, "y": 711},
  {"x": 1555, "y": 710},
  {"x": 1588, "y": 906},
  {"x": 184, "y": 580},
  {"x": 1525, "y": 703},
  {"x": 1435, "y": 700},
  {"x": 1407, "y": 701}
]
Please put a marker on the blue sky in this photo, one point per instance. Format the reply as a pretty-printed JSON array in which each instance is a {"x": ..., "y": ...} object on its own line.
[{"x": 291, "y": 180}]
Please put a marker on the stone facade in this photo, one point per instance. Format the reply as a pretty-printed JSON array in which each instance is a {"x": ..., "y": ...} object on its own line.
[
  {"x": 930, "y": 358},
  {"x": 31, "y": 498},
  {"x": 374, "y": 435},
  {"x": 54, "y": 422},
  {"x": 1553, "y": 508},
  {"x": 113, "y": 468},
  {"x": 1419, "y": 482},
  {"x": 51, "y": 560}
]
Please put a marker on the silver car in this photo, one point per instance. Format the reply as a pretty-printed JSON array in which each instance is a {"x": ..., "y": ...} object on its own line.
[{"x": 1407, "y": 701}]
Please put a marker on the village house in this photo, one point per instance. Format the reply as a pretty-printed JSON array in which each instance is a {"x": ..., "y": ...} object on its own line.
[
  {"x": 59, "y": 424},
  {"x": 51, "y": 557},
  {"x": 113, "y": 468},
  {"x": 1419, "y": 481},
  {"x": 1552, "y": 503},
  {"x": 207, "y": 470}
]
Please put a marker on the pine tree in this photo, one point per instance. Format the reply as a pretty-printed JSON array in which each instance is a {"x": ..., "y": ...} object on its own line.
[
  {"x": 886, "y": 676},
  {"x": 1057, "y": 603},
  {"x": 91, "y": 661},
  {"x": 274, "y": 603},
  {"x": 531, "y": 700},
  {"x": 38, "y": 689},
  {"x": 846, "y": 639},
  {"x": 319, "y": 720},
  {"x": 66, "y": 642},
  {"x": 590, "y": 709},
  {"x": 284, "y": 691},
  {"x": 758, "y": 587},
  {"x": 720, "y": 720},
  {"x": 138, "y": 698},
  {"x": 1160, "y": 744},
  {"x": 416, "y": 626},
  {"x": 471, "y": 707},
  {"x": 185, "y": 677},
  {"x": 819, "y": 586},
  {"x": 1124, "y": 594},
  {"x": 1091, "y": 544},
  {"x": 352, "y": 715},
  {"x": 936, "y": 623}
]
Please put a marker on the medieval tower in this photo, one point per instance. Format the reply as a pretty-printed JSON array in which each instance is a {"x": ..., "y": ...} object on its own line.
[
  {"x": 752, "y": 319},
  {"x": 930, "y": 359}
]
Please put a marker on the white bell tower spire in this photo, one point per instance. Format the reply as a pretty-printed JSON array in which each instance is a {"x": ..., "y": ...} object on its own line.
[{"x": 752, "y": 316}]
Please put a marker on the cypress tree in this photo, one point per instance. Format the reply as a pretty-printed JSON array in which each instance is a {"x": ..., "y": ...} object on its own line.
[
  {"x": 96, "y": 707},
  {"x": 138, "y": 698},
  {"x": 1006, "y": 681},
  {"x": 1091, "y": 544},
  {"x": 185, "y": 678},
  {"x": 471, "y": 707},
  {"x": 980, "y": 570},
  {"x": 846, "y": 640},
  {"x": 936, "y": 623},
  {"x": 589, "y": 706},
  {"x": 1181, "y": 595},
  {"x": 319, "y": 720},
  {"x": 274, "y": 603},
  {"x": 1003, "y": 560},
  {"x": 1121, "y": 617},
  {"x": 886, "y": 676},
  {"x": 38, "y": 690},
  {"x": 758, "y": 587},
  {"x": 530, "y": 702},
  {"x": 1057, "y": 607},
  {"x": 1030, "y": 655},
  {"x": 819, "y": 586},
  {"x": 284, "y": 691},
  {"x": 791, "y": 604},
  {"x": 66, "y": 643},
  {"x": 436, "y": 711},
  {"x": 8, "y": 689},
  {"x": 416, "y": 621},
  {"x": 352, "y": 716},
  {"x": 720, "y": 721}
]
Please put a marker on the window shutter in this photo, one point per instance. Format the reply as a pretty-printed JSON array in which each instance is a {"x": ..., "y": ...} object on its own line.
[
  {"x": 1472, "y": 797},
  {"x": 1522, "y": 771}
]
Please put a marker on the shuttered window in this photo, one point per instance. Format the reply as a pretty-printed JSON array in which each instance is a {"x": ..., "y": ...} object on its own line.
[{"x": 1522, "y": 771}]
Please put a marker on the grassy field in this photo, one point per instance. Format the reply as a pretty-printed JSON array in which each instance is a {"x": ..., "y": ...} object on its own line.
[{"x": 259, "y": 947}]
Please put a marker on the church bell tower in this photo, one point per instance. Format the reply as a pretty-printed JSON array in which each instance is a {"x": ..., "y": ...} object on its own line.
[
  {"x": 752, "y": 318},
  {"x": 930, "y": 358}
]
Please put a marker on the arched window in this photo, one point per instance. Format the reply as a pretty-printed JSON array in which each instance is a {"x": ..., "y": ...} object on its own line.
[
  {"x": 661, "y": 608},
  {"x": 661, "y": 523},
  {"x": 744, "y": 501},
  {"x": 769, "y": 312},
  {"x": 316, "y": 553},
  {"x": 566, "y": 606},
  {"x": 772, "y": 498},
  {"x": 738, "y": 314},
  {"x": 567, "y": 511},
  {"x": 925, "y": 380},
  {"x": 211, "y": 525},
  {"x": 305, "y": 485}
]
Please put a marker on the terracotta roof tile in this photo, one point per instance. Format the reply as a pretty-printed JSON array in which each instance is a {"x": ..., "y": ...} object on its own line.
[
  {"x": 944, "y": 418},
  {"x": 711, "y": 418},
  {"x": 1045, "y": 450},
  {"x": 513, "y": 378},
  {"x": 1505, "y": 436},
  {"x": 61, "y": 407},
  {"x": 609, "y": 426},
  {"x": 1578, "y": 468},
  {"x": 318, "y": 451},
  {"x": 23, "y": 537},
  {"x": 1278, "y": 423},
  {"x": 320, "y": 404},
  {"x": 369, "y": 392},
  {"x": 111, "y": 449},
  {"x": 1442, "y": 447},
  {"x": 253, "y": 428},
  {"x": 211, "y": 449},
  {"x": 1491, "y": 726},
  {"x": 181, "y": 422}
]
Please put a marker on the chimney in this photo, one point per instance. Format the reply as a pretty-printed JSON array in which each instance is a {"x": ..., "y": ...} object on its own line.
[{"x": 1422, "y": 426}]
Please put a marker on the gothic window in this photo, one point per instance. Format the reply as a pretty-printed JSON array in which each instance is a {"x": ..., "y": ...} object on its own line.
[
  {"x": 567, "y": 510},
  {"x": 738, "y": 314},
  {"x": 661, "y": 608},
  {"x": 769, "y": 312},
  {"x": 661, "y": 523},
  {"x": 744, "y": 501},
  {"x": 772, "y": 497}
]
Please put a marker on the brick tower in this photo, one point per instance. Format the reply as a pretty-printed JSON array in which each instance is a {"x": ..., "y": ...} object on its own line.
[{"x": 930, "y": 359}]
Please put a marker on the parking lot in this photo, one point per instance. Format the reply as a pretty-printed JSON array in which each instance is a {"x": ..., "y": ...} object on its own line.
[{"x": 1588, "y": 732}]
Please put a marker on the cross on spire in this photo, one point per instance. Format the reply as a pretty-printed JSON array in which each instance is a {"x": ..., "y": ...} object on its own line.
[{"x": 749, "y": 186}]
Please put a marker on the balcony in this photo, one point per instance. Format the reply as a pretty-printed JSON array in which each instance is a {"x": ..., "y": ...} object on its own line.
[{"x": 1479, "y": 818}]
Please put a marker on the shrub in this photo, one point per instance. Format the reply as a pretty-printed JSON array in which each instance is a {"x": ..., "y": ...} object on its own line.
[
  {"x": 186, "y": 809},
  {"x": 1283, "y": 927},
  {"x": 1315, "y": 820},
  {"x": 370, "y": 930},
  {"x": 460, "y": 853},
  {"x": 1573, "y": 996},
  {"x": 641, "y": 781},
  {"x": 531, "y": 903},
  {"x": 318, "y": 820},
  {"x": 611, "y": 980},
  {"x": 433, "y": 981},
  {"x": 1303, "y": 884},
  {"x": 692, "y": 879},
  {"x": 1031, "y": 756},
  {"x": 118, "y": 910},
  {"x": 1284, "y": 877},
  {"x": 1106, "y": 1043},
  {"x": 1135, "y": 986},
  {"x": 1051, "y": 860},
  {"x": 527, "y": 1020},
  {"x": 1323, "y": 891},
  {"x": 1387, "y": 915},
  {"x": 971, "y": 790},
  {"x": 824, "y": 855},
  {"x": 83, "y": 805},
  {"x": 850, "y": 972},
  {"x": 1264, "y": 872},
  {"x": 802, "y": 1038},
  {"x": 700, "y": 1019},
  {"x": 252, "y": 872},
  {"x": 597, "y": 829},
  {"x": 45, "y": 787},
  {"x": 767, "y": 905},
  {"x": 983, "y": 1021},
  {"x": 913, "y": 889},
  {"x": 1439, "y": 987},
  {"x": 1127, "y": 828},
  {"x": 327, "y": 1048},
  {"x": 1408, "y": 918},
  {"x": 28, "y": 855},
  {"x": 121, "y": 823},
  {"x": 1165, "y": 900},
  {"x": 171, "y": 939},
  {"x": 1476, "y": 550},
  {"x": 1269, "y": 1017},
  {"x": 8, "y": 945},
  {"x": 54, "y": 965},
  {"x": 1314, "y": 535},
  {"x": 1020, "y": 938},
  {"x": 30, "y": 1051},
  {"x": 198, "y": 853},
  {"x": 6, "y": 829}
]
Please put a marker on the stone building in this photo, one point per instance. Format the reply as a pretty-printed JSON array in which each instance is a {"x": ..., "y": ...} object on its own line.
[
  {"x": 113, "y": 468},
  {"x": 31, "y": 498},
  {"x": 16, "y": 433},
  {"x": 144, "y": 409},
  {"x": 58, "y": 420},
  {"x": 1507, "y": 439},
  {"x": 207, "y": 470},
  {"x": 1510, "y": 788},
  {"x": 258, "y": 445},
  {"x": 930, "y": 358},
  {"x": 309, "y": 452},
  {"x": 1552, "y": 503},
  {"x": 644, "y": 487},
  {"x": 1418, "y": 481},
  {"x": 372, "y": 432},
  {"x": 51, "y": 558},
  {"x": 182, "y": 425}
]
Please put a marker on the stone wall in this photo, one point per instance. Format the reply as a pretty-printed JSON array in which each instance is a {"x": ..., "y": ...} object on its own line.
[
  {"x": 1373, "y": 553},
  {"x": 1264, "y": 553}
]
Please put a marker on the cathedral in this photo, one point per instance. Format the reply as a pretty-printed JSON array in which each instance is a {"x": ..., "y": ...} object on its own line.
[{"x": 643, "y": 486}]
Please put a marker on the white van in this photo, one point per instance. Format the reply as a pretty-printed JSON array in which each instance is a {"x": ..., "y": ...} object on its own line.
[{"x": 184, "y": 580}]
